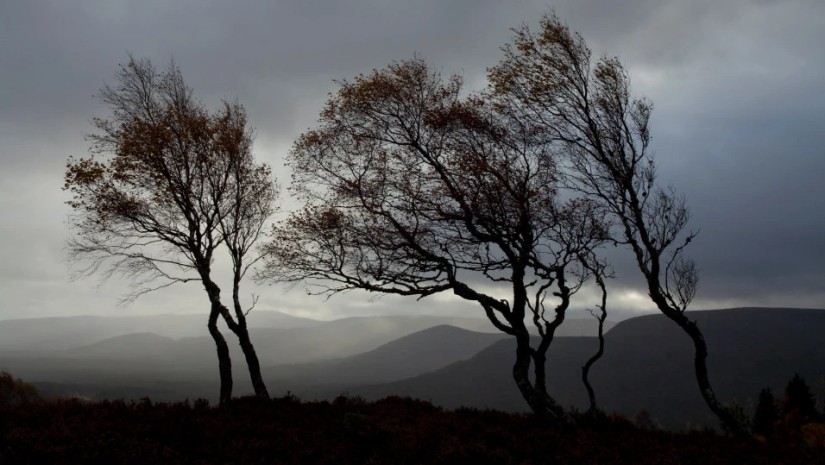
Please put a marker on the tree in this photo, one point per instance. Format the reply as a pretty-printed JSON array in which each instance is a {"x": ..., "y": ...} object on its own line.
[
  {"x": 410, "y": 190},
  {"x": 766, "y": 413},
  {"x": 585, "y": 111},
  {"x": 599, "y": 271},
  {"x": 799, "y": 399},
  {"x": 167, "y": 183},
  {"x": 251, "y": 195}
]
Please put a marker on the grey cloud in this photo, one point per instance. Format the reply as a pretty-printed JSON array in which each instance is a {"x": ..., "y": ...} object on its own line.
[{"x": 737, "y": 126}]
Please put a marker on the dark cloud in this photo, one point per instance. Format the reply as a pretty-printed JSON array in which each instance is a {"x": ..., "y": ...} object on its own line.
[{"x": 737, "y": 126}]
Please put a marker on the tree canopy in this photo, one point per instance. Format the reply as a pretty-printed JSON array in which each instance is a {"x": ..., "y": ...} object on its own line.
[
  {"x": 166, "y": 185},
  {"x": 411, "y": 189},
  {"x": 586, "y": 110}
]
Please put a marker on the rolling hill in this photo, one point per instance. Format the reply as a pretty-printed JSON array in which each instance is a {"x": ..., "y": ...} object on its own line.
[
  {"x": 417, "y": 353},
  {"x": 345, "y": 351},
  {"x": 63, "y": 333},
  {"x": 648, "y": 365}
]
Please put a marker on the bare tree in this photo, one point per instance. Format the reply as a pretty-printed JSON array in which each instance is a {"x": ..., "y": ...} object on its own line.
[
  {"x": 600, "y": 272},
  {"x": 411, "y": 190},
  {"x": 166, "y": 185},
  {"x": 586, "y": 111}
]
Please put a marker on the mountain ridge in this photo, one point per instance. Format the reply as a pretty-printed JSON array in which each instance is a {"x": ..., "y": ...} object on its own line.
[{"x": 647, "y": 365}]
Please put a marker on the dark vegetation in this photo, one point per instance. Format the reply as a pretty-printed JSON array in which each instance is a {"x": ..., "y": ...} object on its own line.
[{"x": 350, "y": 430}]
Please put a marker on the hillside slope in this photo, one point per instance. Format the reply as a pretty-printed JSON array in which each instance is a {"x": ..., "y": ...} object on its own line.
[
  {"x": 648, "y": 365},
  {"x": 410, "y": 355}
]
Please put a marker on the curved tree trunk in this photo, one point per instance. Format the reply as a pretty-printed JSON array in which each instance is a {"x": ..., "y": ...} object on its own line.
[
  {"x": 700, "y": 367},
  {"x": 591, "y": 394},
  {"x": 540, "y": 372},
  {"x": 540, "y": 402},
  {"x": 539, "y": 354},
  {"x": 657, "y": 294},
  {"x": 224, "y": 361},
  {"x": 700, "y": 355},
  {"x": 242, "y": 332},
  {"x": 251, "y": 361}
]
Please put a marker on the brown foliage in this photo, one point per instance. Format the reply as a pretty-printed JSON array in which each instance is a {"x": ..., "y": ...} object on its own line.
[
  {"x": 166, "y": 185},
  {"x": 583, "y": 109},
  {"x": 411, "y": 189}
]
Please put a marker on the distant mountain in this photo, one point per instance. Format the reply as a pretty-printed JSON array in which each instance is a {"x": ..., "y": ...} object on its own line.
[
  {"x": 410, "y": 355},
  {"x": 278, "y": 345},
  {"x": 321, "y": 341},
  {"x": 62, "y": 333},
  {"x": 350, "y": 336},
  {"x": 337, "y": 338},
  {"x": 137, "y": 363},
  {"x": 648, "y": 365},
  {"x": 750, "y": 348},
  {"x": 128, "y": 346}
]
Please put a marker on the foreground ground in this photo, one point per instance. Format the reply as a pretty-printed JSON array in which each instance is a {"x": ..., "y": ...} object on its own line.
[{"x": 391, "y": 431}]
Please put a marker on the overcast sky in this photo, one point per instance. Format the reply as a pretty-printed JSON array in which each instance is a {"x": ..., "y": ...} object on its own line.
[{"x": 738, "y": 125}]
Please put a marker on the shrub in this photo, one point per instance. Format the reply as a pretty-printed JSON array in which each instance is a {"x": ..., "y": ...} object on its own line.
[{"x": 14, "y": 391}]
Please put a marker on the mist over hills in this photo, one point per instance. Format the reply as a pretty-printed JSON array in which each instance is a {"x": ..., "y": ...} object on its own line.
[
  {"x": 63, "y": 333},
  {"x": 276, "y": 345},
  {"x": 456, "y": 362},
  {"x": 135, "y": 365},
  {"x": 183, "y": 339},
  {"x": 416, "y": 353},
  {"x": 648, "y": 364}
]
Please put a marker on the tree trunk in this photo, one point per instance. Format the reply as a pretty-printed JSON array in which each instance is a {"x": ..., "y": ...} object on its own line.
[
  {"x": 700, "y": 348},
  {"x": 224, "y": 361},
  {"x": 252, "y": 361},
  {"x": 540, "y": 402},
  {"x": 701, "y": 369},
  {"x": 242, "y": 332},
  {"x": 591, "y": 395}
]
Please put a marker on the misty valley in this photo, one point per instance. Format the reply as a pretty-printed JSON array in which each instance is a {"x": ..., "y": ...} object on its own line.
[{"x": 453, "y": 362}]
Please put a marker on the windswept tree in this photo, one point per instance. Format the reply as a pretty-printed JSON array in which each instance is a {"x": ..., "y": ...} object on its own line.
[
  {"x": 585, "y": 109},
  {"x": 408, "y": 189},
  {"x": 166, "y": 186},
  {"x": 599, "y": 270}
]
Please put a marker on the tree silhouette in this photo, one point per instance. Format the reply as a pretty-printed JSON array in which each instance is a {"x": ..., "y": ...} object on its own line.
[
  {"x": 166, "y": 185},
  {"x": 799, "y": 399},
  {"x": 584, "y": 110},
  {"x": 766, "y": 413},
  {"x": 409, "y": 189},
  {"x": 600, "y": 272}
]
